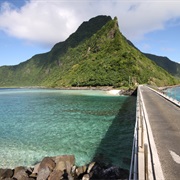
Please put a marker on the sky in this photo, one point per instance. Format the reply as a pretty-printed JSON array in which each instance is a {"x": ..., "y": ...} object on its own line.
[{"x": 29, "y": 27}]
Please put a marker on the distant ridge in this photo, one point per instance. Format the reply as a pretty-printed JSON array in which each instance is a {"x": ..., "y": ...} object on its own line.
[
  {"x": 170, "y": 66},
  {"x": 97, "y": 54}
]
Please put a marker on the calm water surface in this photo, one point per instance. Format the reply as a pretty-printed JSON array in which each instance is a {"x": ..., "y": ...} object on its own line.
[
  {"x": 89, "y": 124},
  {"x": 174, "y": 92}
]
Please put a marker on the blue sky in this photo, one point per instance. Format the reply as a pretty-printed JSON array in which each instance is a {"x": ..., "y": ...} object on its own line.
[{"x": 29, "y": 27}]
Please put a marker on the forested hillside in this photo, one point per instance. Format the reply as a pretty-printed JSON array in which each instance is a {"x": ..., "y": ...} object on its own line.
[
  {"x": 97, "y": 54},
  {"x": 164, "y": 62}
]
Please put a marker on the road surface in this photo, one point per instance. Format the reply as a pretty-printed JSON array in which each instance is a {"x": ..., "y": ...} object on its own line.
[{"x": 164, "y": 118}]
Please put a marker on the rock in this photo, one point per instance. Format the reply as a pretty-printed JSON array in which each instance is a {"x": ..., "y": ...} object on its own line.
[
  {"x": 81, "y": 170},
  {"x": 73, "y": 169},
  {"x": 56, "y": 175},
  {"x": 63, "y": 167},
  {"x": 29, "y": 170},
  {"x": 43, "y": 174},
  {"x": 6, "y": 173},
  {"x": 86, "y": 177},
  {"x": 91, "y": 165},
  {"x": 47, "y": 162},
  {"x": 70, "y": 177},
  {"x": 20, "y": 173},
  {"x": 69, "y": 167},
  {"x": 60, "y": 166},
  {"x": 36, "y": 167},
  {"x": 65, "y": 162},
  {"x": 34, "y": 176},
  {"x": 109, "y": 172},
  {"x": 69, "y": 158}
]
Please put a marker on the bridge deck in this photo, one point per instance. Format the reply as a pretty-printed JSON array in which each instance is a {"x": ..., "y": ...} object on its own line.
[{"x": 164, "y": 118}]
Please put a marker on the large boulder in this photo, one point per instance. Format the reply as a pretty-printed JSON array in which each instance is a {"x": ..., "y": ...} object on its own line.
[
  {"x": 45, "y": 168},
  {"x": 47, "y": 162},
  {"x": 64, "y": 163}
]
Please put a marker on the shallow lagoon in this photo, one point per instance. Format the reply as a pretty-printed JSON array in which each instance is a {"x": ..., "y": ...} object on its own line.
[{"x": 90, "y": 124}]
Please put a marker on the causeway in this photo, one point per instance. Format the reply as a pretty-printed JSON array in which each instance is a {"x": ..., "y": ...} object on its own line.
[{"x": 164, "y": 119}]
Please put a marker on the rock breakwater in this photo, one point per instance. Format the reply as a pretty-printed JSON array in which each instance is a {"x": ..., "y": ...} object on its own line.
[{"x": 63, "y": 167}]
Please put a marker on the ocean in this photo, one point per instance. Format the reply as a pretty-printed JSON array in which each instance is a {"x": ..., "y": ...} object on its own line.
[
  {"x": 91, "y": 124},
  {"x": 173, "y": 92}
]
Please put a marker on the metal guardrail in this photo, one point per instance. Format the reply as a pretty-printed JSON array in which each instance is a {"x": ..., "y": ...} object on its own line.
[{"x": 144, "y": 160}]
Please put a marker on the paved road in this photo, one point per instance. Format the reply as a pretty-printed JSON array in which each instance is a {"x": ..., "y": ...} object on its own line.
[{"x": 164, "y": 119}]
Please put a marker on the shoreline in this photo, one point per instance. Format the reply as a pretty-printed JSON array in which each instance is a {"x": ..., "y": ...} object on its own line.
[
  {"x": 109, "y": 89},
  {"x": 63, "y": 167},
  {"x": 104, "y": 88},
  {"x": 168, "y": 87}
]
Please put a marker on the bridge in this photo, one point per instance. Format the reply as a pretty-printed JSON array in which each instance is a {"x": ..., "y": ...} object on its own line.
[{"x": 156, "y": 145}]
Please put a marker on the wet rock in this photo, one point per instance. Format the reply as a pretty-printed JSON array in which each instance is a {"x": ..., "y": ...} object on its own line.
[{"x": 6, "y": 173}]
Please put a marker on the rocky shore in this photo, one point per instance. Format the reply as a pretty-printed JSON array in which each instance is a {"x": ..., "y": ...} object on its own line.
[{"x": 63, "y": 167}]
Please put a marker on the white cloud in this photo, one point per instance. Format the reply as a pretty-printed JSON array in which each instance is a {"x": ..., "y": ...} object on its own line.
[
  {"x": 39, "y": 21},
  {"x": 50, "y": 21}
]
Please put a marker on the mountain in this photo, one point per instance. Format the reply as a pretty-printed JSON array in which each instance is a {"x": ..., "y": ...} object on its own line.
[
  {"x": 164, "y": 62},
  {"x": 97, "y": 54}
]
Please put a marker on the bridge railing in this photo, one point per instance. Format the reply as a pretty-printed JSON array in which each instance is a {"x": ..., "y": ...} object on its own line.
[
  {"x": 174, "y": 101},
  {"x": 144, "y": 160},
  {"x": 134, "y": 157}
]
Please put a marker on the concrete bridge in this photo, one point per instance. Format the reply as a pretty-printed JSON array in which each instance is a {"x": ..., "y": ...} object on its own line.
[{"x": 156, "y": 145}]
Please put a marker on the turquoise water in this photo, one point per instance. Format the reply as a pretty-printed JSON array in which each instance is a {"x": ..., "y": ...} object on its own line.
[
  {"x": 89, "y": 124},
  {"x": 174, "y": 93}
]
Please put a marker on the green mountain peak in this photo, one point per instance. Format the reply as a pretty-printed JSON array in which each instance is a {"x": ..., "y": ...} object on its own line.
[{"x": 97, "y": 54}]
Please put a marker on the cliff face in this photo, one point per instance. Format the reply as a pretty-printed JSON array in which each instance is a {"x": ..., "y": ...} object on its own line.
[{"x": 97, "y": 54}]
